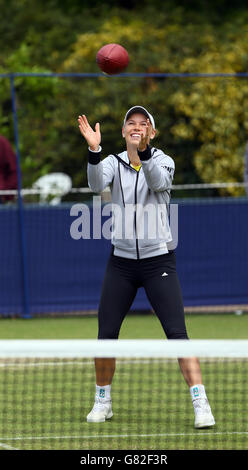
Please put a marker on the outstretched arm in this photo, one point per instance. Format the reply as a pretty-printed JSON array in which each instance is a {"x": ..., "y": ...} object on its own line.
[{"x": 100, "y": 173}]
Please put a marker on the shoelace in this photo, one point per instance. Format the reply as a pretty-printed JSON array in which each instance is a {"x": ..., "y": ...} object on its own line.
[
  {"x": 99, "y": 402},
  {"x": 201, "y": 405}
]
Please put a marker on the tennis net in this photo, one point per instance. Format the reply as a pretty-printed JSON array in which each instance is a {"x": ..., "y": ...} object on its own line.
[{"x": 47, "y": 388}]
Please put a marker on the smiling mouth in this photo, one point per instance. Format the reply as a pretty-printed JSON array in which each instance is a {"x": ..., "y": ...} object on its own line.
[{"x": 135, "y": 136}]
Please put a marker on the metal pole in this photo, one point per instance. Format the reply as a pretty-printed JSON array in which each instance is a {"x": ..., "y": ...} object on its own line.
[{"x": 26, "y": 303}]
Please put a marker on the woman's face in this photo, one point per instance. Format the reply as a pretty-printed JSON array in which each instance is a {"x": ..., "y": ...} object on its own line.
[{"x": 134, "y": 127}]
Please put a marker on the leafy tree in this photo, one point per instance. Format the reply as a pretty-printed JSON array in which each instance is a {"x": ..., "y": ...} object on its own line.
[
  {"x": 203, "y": 120},
  {"x": 202, "y": 123},
  {"x": 214, "y": 112}
]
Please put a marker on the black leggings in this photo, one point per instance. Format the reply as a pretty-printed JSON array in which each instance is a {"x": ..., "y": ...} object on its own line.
[{"x": 122, "y": 279}]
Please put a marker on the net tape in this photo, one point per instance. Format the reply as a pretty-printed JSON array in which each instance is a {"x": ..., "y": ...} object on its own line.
[{"x": 123, "y": 348}]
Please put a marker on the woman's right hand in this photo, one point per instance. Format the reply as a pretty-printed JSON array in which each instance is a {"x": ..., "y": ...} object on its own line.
[{"x": 93, "y": 137}]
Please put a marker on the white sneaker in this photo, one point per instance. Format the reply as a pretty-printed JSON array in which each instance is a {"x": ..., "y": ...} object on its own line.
[
  {"x": 203, "y": 414},
  {"x": 101, "y": 411}
]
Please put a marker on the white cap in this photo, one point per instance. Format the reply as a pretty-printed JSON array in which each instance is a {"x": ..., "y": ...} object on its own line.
[{"x": 139, "y": 109}]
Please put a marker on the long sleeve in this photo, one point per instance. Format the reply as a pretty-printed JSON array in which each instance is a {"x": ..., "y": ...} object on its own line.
[
  {"x": 158, "y": 169},
  {"x": 100, "y": 173},
  {"x": 8, "y": 170}
]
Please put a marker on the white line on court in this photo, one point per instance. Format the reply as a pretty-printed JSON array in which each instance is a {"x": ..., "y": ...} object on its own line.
[
  {"x": 107, "y": 436},
  {"x": 7, "y": 447}
]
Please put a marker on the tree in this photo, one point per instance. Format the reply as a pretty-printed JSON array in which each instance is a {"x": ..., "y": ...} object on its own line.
[
  {"x": 214, "y": 112},
  {"x": 202, "y": 123}
]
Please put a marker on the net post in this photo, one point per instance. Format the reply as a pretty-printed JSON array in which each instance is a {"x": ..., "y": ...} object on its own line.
[{"x": 26, "y": 302}]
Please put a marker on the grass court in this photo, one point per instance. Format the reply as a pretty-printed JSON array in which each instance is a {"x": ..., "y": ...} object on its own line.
[{"x": 43, "y": 404}]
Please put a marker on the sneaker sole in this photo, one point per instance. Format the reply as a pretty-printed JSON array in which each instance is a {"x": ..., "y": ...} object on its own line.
[
  {"x": 101, "y": 420},
  {"x": 206, "y": 424}
]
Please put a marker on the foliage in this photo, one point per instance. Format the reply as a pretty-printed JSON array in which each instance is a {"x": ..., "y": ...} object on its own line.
[
  {"x": 202, "y": 122},
  {"x": 214, "y": 112}
]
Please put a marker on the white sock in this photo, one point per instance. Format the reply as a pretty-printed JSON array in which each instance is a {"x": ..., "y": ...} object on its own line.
[
  {"x": 103, "y": 391},
  {"x": 197, "y": 391}
]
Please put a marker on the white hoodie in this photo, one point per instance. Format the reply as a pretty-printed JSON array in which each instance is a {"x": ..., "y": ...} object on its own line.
[{"x": 140, "y": 200}]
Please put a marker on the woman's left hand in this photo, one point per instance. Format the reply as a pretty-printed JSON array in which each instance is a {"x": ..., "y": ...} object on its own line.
[{"x": 145, "y": 139}]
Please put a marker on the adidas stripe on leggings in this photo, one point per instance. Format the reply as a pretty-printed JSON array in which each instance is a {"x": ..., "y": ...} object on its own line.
[{"x": 159, "y": 278}]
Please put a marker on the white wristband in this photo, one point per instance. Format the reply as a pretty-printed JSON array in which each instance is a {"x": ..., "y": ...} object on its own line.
[{"x": 96, "y": 151}]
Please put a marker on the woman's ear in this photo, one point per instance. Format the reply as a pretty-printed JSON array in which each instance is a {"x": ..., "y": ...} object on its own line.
[{"x": 153, "y": 134}]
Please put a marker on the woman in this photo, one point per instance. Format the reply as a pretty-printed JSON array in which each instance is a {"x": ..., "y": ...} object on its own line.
[{"x": 140, "y": 177}]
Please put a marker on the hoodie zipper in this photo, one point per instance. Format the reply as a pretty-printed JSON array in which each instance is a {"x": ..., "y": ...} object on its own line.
[
  {"x": 119, "y": 171},
  {"x": 135, "y": 216},
  {"x": 135, "y": 195}
]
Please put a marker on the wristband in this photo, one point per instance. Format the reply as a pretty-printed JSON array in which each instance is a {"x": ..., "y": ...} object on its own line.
[
  {"x": 145, "y": 154},
  {"x": 94, "y": 157}
]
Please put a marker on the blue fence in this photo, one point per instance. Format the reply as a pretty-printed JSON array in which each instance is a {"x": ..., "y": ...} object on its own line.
[
  {"x": 44, "y": 270},
  {"x": 65, "y": 275}
]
